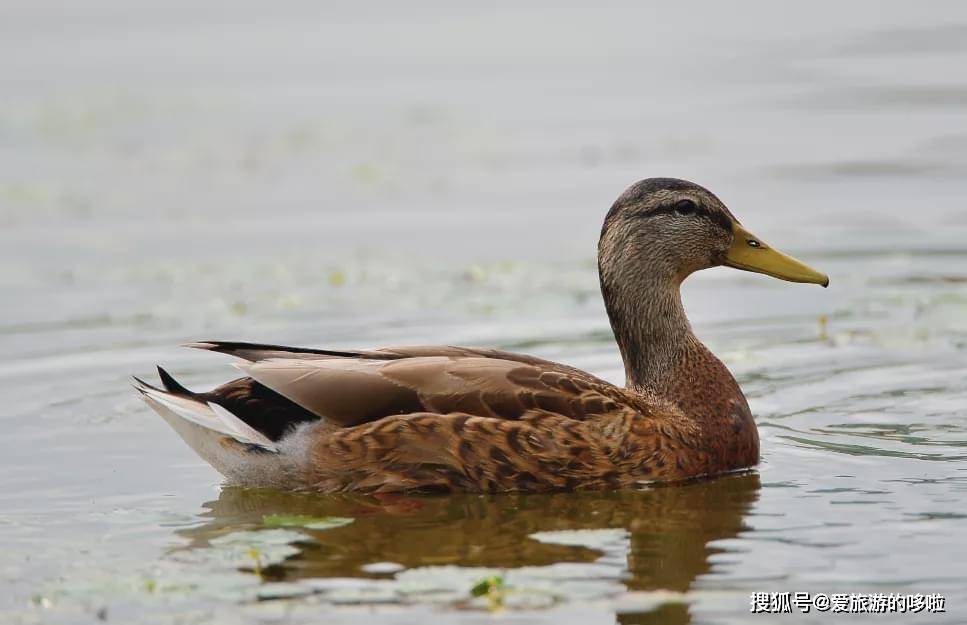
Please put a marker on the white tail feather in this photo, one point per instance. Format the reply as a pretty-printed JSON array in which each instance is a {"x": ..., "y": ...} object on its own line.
[
  {"x": 235, "y": 449},
  {"x": 194, "y": 411},
  {"x": 243, "y": 431}
]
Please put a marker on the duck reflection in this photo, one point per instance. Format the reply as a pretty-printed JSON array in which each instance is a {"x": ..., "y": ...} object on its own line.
[{"x": 671, "y": 530}]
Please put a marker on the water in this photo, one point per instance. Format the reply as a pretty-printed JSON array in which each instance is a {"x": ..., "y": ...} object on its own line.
[{"x": 355, "y": 177}]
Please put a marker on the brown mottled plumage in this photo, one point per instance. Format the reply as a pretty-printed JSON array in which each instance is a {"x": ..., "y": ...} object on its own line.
[{"x": 467, "y": 419}]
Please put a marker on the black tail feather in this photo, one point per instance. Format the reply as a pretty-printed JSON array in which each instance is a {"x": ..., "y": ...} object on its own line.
[
  {"x": 142, "y": 385},
  {"x": 172, "y": 385},
  {"x": 252, "y": 351}
]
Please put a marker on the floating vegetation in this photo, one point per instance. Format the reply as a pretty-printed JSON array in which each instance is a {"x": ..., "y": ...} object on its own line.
[
  {"x": 602, "y": 539},
  {"x": 252, "y": 550},
  {"x": 306, "y": 521},
  {"x": 337, "y": 278},
  {"x": 492, "y": 589}
]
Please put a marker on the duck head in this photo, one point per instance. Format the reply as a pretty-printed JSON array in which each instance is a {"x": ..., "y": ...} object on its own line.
[
  {"x": 665, "y": 229},
  {"x": 659, "y": 232}
]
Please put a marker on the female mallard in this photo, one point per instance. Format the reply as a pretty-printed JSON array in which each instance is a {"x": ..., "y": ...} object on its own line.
[{"x": 472, "y": 419}]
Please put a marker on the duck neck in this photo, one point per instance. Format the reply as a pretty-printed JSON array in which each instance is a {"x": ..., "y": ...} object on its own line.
[{"x": 651, "y": 329}]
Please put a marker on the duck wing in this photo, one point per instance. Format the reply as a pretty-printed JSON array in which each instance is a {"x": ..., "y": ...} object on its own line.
[
  {"x": 254, "y": 352},
  {"x": 349, "y": 388}
]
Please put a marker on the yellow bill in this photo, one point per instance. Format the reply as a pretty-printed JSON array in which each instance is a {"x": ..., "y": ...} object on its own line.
[{"x": 750, "y": 253}]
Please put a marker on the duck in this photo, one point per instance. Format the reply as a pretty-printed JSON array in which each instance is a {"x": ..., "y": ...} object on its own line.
[{"x": 442, "y": 419}]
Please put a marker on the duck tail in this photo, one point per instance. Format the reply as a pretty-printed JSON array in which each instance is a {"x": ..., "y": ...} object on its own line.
[{"x": 235, "y": 449}]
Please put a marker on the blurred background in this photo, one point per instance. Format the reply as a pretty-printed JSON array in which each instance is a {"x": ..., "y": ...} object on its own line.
[
  {"x": 348, "y": 174},
  {"x": 148, "y": 147}
]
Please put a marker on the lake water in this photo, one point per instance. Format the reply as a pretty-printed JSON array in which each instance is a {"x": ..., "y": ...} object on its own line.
[{"x": 363, "y": 176}]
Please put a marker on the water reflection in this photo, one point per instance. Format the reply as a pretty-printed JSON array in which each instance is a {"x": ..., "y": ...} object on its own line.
[{"x": 670, "y": 531}]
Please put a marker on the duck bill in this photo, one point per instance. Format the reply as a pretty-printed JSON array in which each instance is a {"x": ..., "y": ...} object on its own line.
[{"x": 749, "y": 253}]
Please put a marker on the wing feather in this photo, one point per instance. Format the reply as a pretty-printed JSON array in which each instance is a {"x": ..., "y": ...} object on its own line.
[{"x": 351, "y": 391}]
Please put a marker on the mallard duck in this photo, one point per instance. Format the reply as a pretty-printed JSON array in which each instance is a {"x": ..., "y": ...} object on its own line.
[{"x": 441, "y": 419}]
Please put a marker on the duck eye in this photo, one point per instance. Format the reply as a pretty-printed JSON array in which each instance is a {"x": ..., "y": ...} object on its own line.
[{"x": 686, "y": 207}]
